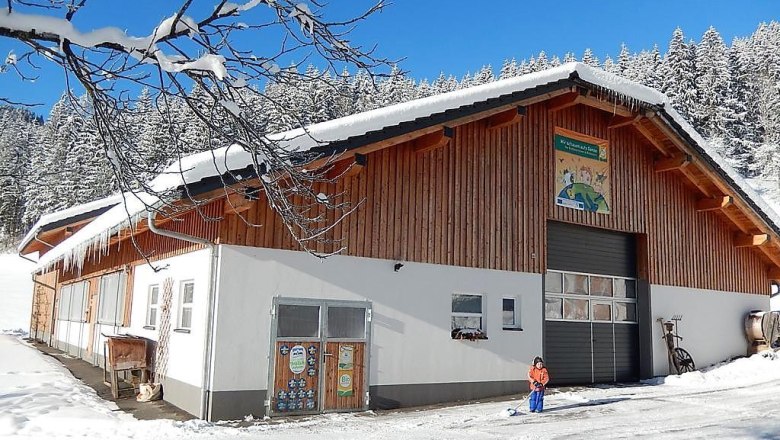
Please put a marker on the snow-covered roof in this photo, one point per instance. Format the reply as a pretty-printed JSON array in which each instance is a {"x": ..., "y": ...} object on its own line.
[
  {"x": 48, "y": 220},
  {"x": 199, "y": 166}
]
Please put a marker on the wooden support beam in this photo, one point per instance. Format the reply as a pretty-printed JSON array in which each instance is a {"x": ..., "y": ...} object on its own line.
[
  {"x": 69, "y": 231},
  {"x": 575, "y": 98},
  {"x": 349, "y": 167},
  {"x": 673, "y": 163},
  {"x": 237, "y": 203},
  {"x": 714, "y": 204},
  {"x": 358, "y": 165},
  {"x": 768, "y": 252},
  {"x": 659, "y": 145},
  {"x": 696, "y": 181},
  {"x": 433, "y": 140},
  {"x": 734, "y": 220},
  {"x": 504, "y": 119},
  {"x": 563, "y": 101},
  {"x": 749, "y": 240},
  {"x": 623, "y": 121},
  {"x": 774, "y": 273},
  {"x": 606, "y": 106}
]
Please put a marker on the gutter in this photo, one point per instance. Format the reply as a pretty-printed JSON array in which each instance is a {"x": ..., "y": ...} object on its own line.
[
  {"x": 208, "y": 359},
  {"x": 51, "y": 246}
]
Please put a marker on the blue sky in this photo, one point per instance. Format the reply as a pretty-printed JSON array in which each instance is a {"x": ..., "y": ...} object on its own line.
[{"x": 456, "y": 37}]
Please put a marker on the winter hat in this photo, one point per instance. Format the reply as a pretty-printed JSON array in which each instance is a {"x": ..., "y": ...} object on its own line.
[{"x": 538, "y": 359}]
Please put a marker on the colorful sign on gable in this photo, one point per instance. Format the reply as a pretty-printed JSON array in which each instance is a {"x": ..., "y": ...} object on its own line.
[{"x": 582, "y": 172}]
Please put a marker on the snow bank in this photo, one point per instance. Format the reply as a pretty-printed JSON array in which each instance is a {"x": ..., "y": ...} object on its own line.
[
  {"x": 16, "y": 290},
  {"x": 41, "y": 398},
  {"x": 757, "y": 369}
]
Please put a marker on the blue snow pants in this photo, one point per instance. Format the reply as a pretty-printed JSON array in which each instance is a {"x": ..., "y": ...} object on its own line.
[{"x": 536, "y": 402}]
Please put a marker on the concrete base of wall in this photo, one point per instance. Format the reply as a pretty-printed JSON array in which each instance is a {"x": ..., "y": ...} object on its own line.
[
  {"x": 234, "y": 405},
  {"x": 397, "y": 396},
  {"x": 184, "y": 396}
]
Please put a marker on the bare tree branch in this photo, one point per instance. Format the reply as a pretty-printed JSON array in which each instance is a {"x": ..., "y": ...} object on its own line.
[{"x": 182, "y": 53}]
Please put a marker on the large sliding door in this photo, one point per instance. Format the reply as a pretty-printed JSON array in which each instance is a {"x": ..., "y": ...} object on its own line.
[{"x": 590, "y": 332}]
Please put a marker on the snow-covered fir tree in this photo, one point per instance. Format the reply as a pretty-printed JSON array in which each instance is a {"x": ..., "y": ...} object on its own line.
[{"x": 731, "y": 94}]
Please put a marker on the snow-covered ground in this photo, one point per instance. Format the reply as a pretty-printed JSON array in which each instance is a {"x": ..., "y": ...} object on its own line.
[
  {"x": 15, "y": 293},
  {"x": 738, "y": 400}
]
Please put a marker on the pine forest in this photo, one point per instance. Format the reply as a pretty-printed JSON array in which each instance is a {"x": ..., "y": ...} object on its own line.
[{"x": 729, "y": 92}]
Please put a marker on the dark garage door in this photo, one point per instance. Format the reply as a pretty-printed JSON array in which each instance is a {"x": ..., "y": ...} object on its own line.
[{"x": 590, "y": 333}]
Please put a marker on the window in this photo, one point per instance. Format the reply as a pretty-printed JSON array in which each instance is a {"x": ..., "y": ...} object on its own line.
[
  {"x": 601, "y": 286},
  {"x": 576, "y": 309},
  {"x": 625, "y": 312},
  {"x": 625, "y": 288},
  {"x": 73, "y": 302},
  {"x": 466, "y": 311},
  {"x": 553, "y": 308},
  {"x": 602, "y": 312},
  {"x": 575, "y": 284},
  {"x": 78, "y": 301},
  {"x": 511, "y": 313},
  {"x": 186, "y": 295},
  {"x": 347, "y": 322},
  {"x": 63, "y": 313},
  {"x": 591, "y": 298},
  {"x": 296, "y": 321},
  {"x": 111, "y": 308},
  {"x": 553, "y": 282},
  {"x": 152, "y": 306},
  {"x": 467, "y": 316}
]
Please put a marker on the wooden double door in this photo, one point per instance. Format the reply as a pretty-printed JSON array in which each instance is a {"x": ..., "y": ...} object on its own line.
[{"x": 320, "y": 356}]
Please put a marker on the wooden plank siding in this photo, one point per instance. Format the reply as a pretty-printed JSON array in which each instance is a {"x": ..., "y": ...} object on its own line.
[
  {"x": 42, "y": 316},
  {"x": 482, "y": 201}
]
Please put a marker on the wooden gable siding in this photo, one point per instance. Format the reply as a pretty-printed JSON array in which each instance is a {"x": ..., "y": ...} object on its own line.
[
  {"x": 156, "y": 247},
  {"x": 684, "y": 247},
  {"x": 483, "y": 200}
]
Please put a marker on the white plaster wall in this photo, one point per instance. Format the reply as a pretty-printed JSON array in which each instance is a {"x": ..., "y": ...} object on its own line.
[
  {"x": 185, "y": 354},
  {"x": 78, "y": 336},
  {"x": 61, "y": 330},
  {"x": 73, "y": 334},
  {"x": 713, "y": 324},
  {"x": 774, "y": 302},
  {"x": 411, "y": 340}
]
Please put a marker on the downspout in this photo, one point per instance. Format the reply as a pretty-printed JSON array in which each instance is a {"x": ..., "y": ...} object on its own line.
[
  {"x": 34, "y": 281},
  {"x": 205, "y": 404}
]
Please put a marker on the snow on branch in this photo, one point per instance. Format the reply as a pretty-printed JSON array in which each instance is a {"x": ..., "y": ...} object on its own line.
[{"x": 193, "y": 60}]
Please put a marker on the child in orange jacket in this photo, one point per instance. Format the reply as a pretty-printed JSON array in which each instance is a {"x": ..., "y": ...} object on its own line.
[{"x": 537, "y": 378}]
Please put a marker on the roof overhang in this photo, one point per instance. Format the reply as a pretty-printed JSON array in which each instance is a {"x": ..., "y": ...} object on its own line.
[
  {"x": 51, "y": 229},
  {"x": 401, "y": 123}
]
